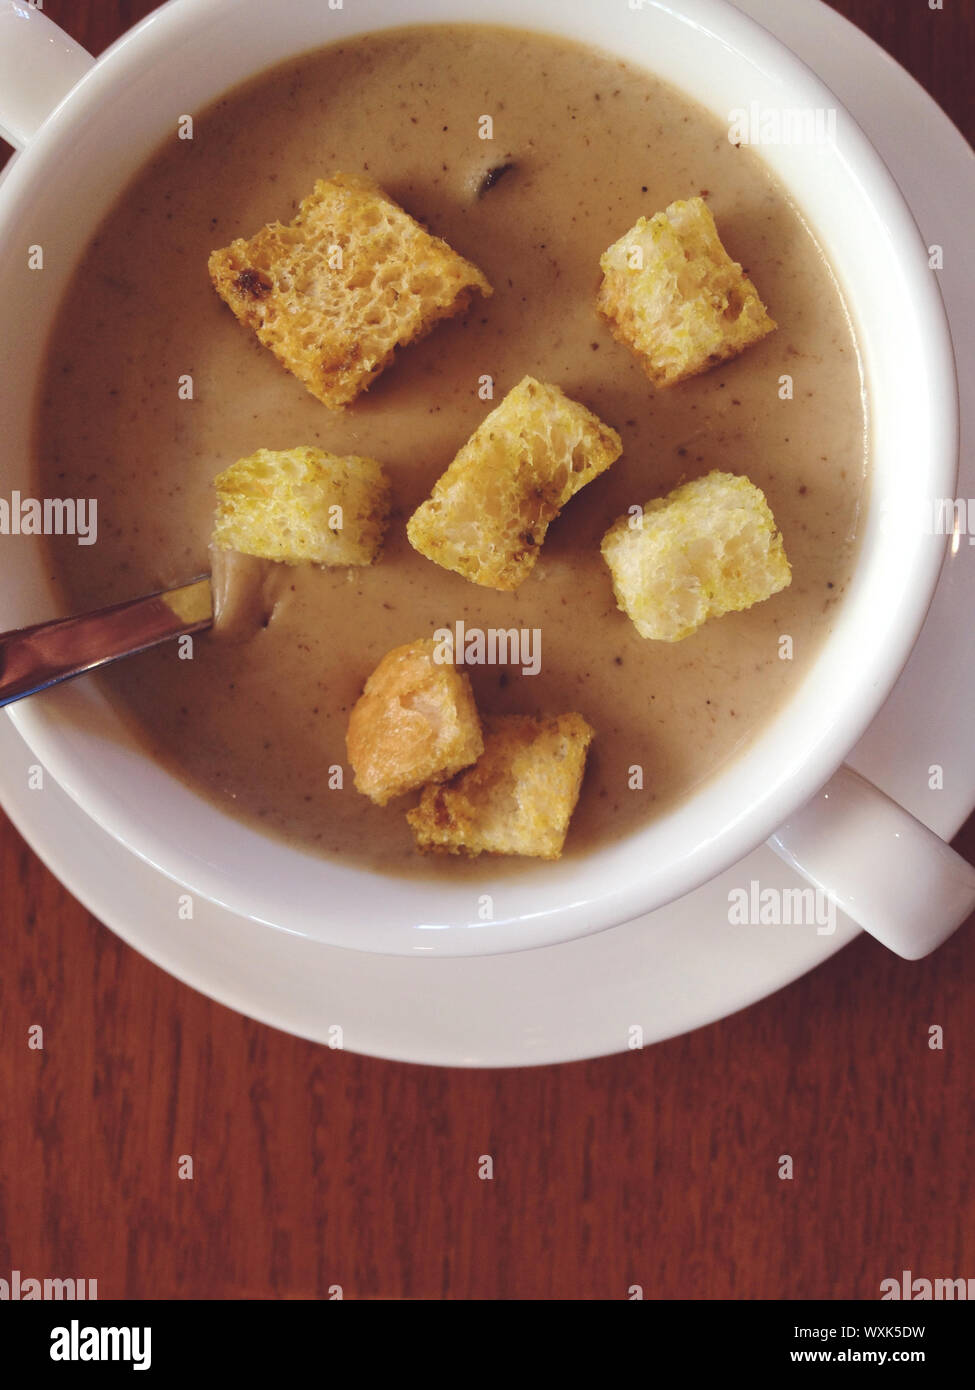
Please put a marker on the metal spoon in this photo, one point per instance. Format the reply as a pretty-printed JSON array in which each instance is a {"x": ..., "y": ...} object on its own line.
[{"x": 32, "y": 658}]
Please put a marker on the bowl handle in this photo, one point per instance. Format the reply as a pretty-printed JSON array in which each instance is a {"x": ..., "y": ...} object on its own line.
[
  {"x": 883, "y": 868},
  {"x": 39, "y": 64}
]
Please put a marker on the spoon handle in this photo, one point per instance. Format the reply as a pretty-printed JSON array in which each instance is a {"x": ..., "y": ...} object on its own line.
[{"x": 32, "y": 658}]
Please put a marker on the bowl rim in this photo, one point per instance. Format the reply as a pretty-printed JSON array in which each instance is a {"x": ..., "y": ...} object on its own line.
[{"x": 799, "y": 780}]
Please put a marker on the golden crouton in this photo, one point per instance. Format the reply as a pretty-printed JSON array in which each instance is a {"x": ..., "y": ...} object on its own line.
[
  {"x": 707, "y": 548},
  {"x": 335, "y": 292},
  {"x": 675, "y": 297},
  {"x": 519, "y": 796},
  {"x": 302, "y": 504},
  {"x": 415, "y": 722},
  {"x": 488, "y": 514}
]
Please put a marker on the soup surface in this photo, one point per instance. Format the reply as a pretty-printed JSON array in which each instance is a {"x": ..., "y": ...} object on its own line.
[{"x": 593, "y": 143}]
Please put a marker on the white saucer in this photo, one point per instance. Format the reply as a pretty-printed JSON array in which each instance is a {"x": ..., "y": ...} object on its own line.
[{"x": 683, "y": 966}]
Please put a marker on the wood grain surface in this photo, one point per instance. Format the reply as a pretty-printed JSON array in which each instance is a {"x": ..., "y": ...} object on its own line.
[{"x": 315, "y": 1168}]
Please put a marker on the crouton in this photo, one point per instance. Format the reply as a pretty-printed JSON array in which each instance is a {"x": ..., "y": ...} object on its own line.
[
  {"x": 415, "y": 722},
  {"x": 519, "y": 796},
  {"x": 707, "y": 548},
  {"x": 675, "y": 297},
  {"x": 302, "y": 505},
  {"x": 488, "y": 514},
  {"x": 335, "y": 292}
]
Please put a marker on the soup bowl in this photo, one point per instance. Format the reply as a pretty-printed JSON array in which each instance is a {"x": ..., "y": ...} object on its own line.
[{"x": 85, "y": 127}]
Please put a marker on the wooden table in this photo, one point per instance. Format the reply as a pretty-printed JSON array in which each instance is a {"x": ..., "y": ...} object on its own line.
[{"x": 314, "y": 1168}]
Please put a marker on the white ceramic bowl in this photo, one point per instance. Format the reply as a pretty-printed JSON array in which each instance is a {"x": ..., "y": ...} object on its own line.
[{"x": 180, "y": 59}]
